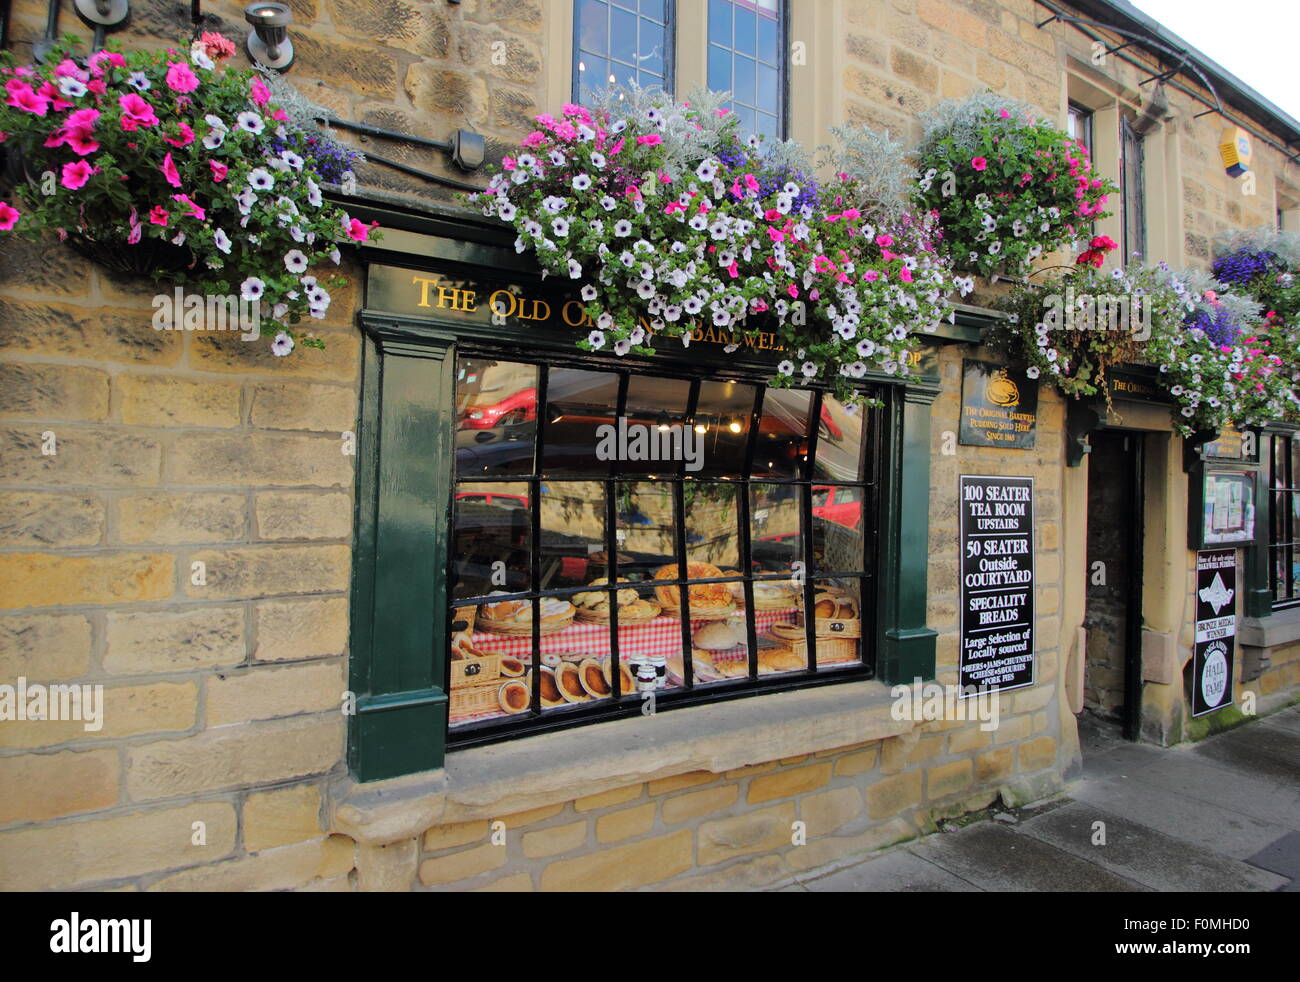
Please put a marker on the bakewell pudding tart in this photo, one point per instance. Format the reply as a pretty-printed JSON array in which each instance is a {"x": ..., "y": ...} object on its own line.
[{"x": 709, "y": 601}]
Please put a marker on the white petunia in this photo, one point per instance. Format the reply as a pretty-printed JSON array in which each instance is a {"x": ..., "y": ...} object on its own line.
[
  {"x": 282, "y": 344},
  {"x": 250, "y": 122}
]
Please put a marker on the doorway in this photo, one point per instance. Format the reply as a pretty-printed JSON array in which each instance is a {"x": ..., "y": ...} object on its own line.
[{"x": 1113, "y": 600}]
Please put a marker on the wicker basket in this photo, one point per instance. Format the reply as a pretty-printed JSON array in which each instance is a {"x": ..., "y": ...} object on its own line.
[
  {"x": 511, "y": 629},
  {"x": 830, "y": 650},
  {"x": 469, "y": 672},
  {"x": 702, "y": 614},
  {"x": 624, "y": 618},
  {"x": 473, "y": 700}
]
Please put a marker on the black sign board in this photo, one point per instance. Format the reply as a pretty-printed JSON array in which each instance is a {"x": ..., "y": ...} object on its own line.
[
  {"x": 1124, "y": 385},
  {"x": 1216, "y": 630},
  {"x": 999, "y": 406},
  {"x": 997, "y": 582}
]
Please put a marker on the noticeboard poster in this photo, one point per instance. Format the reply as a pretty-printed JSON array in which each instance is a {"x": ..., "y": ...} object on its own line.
[
  {"x": 1216, "y": 630},
  {"x": 997, "y": 582}
]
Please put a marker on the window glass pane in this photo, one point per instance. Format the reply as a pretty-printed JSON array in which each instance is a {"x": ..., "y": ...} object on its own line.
[
  {"x": 712, "y": 523},
  {"x": 622, "y": 36},
  {"x": 839, "y": 442},
  {"x": 725, "y": 411},
  {"x": 768, "y": 88},
  {"x": 719, "y": 69},
  {"x": 720, "y": 648},
  {"x": 775, "y": 541},
  {"x": 578, "y": 403},
  {"x": 769, "y": 43},
  {"x": 653, "y": 9},
  {"x": 837, "y": 606},
  {"x": 646, "y": 531},
  {"x": 746, "y": 30},
  {"x": 745, "y": 90},
  {"x": 496, "y": 417},
  {"x": 593, "y": 72},
  {"x": 572, "y": 533},
  {"x": 782, "y": 433},
  {"x": 658, "y": 437},
  {"x": 492, "y": 537},
  {"x": 593, "y": 26},
  {"x": 720, "y": 22},
  {"x": 837, "y": 529}
]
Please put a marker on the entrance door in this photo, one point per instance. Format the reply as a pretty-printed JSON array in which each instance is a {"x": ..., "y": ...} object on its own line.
[{"x": 1113, "y": 608}]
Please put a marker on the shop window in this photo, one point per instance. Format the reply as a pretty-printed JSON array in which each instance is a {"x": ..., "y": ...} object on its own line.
[
  {"x": 619, "y": 533},
  {"x": 1284, "y": 519},
  {"x": 746, "y": 44},
  {"x": 1079, "y": 125},
  {"x": 618, "y": 42},
  {"x": 1133, "y": 192}
]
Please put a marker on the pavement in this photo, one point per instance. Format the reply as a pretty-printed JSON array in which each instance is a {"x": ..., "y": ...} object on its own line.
[{"x": 1221, "y": 815}]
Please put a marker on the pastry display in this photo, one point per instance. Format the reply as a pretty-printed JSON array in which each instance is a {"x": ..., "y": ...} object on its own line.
[
  {"x": 552, "y": 660},
  {"x": 569, "y": 681},
  {"x": 512, "y": 668},
  {"x": 780, "y": 659},
  {"x": 515, "y": 617},
  {"x": 513, "y": 696},
  {"x": 551, "y": 695},
  {"x": 594, "y": 605},
  {"x": 710, "y": 668},
  {"x": 708, "y": 600},
  {"x": 775, "y": 595},
  {"x": 594, "y": 677},
  {"x": 718, "y": 636}
]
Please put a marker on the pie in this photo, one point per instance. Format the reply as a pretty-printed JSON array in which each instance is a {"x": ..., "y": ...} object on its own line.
[{"x": 704, "y": 596}]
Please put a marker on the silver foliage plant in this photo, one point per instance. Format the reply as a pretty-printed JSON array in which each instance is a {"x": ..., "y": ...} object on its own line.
[
  {"x": 1245, "y": 312},
  {"x": 877, "y": 162},
  {"x": 962, "y": 120},
  {"x": 1283, "y": 244}
]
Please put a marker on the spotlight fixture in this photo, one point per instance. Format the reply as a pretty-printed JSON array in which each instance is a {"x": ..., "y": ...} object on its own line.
[{"x": 268, "y": 41}]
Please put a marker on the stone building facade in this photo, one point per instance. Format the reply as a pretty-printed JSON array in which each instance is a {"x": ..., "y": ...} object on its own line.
[{"x": 223, "y": 699}]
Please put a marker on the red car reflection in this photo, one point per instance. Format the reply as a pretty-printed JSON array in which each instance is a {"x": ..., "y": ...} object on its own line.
[
  {"x": 518, "y": 407},
  {"x": 499, "y": 500},
  {"x": 843, "y": 506}
]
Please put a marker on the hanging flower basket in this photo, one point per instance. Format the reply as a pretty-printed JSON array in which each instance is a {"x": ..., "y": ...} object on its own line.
[
  {"x": 170, "y": 166},
  {"x": 1008, "y": 187},
  {"x": 670, "y": 219}
]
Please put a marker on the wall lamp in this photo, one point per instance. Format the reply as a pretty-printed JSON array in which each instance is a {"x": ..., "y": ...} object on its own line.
[
  {"x": 101, "y": 15},
  {"x": 268, "y": 41}
]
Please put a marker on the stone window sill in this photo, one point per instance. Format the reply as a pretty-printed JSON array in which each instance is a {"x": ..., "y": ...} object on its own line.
[
  {"x": 501, "y": 779},
  {"x": 1280, "y": 627}
]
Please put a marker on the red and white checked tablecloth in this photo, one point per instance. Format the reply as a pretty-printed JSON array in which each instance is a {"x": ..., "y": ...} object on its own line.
[{"x": 660, "y": 637}]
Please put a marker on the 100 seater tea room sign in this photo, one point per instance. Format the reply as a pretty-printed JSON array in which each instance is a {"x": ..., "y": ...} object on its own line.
[{"x": 997, "y": 582}]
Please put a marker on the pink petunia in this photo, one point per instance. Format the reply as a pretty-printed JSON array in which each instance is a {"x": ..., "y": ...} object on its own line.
[
  {"x": 734, "y": 270},
  {"x": 186, "y": 137},
  {"x": 650, "y": 139},
  {"x": 51, "y": 92},
  {"x": 356, "y": 229},
  {"x": 158, "y": 216},
  {"x": 97, "y": 60},
  {"x": 1004, "y": 114},
  {"x": 76, "y": 174},
  {"x": 871, "y": 276},
  {"x": 22, "y": 96},
  {"x": 180, "y": 77},
  {"x": 136, "y": 112},
  {"x": 219, "y": 170},
  {"x": 194, "y": 210},
  {"x": 905, "y": 275},
  {"x": 216, "y": 45},
  {"x": 259, "y": 93},
  {"x": 884, "y": 239},
  {"x": 508, "y": 163},
  {"x": 280, "y": 116},
  {"x": 170, "y": 172},
  {"x": 793, "y": 291},
  {"x": 9, "y": 216},
  {"x": 979, "y": 163},
  {"x": 534, "y": 139},
  {"x": 751, "y": 182}
]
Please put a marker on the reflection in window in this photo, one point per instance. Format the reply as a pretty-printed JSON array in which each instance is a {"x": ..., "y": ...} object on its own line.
[
  {"x": 578, "y": 403},
  {"x": 617, "y": 42},
  {"x": 840, "y": 452},
  {"x": 746, "y": 47},
  {"x": 837, "y": 530},
  {"x": 783, "y": 434},
  {"x": 496, "y": 417}
]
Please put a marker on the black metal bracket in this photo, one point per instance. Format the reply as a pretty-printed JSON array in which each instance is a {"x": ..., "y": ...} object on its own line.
[
  {"x": 467, "y": 149},
  {"x": 1081, "y": 419}
]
